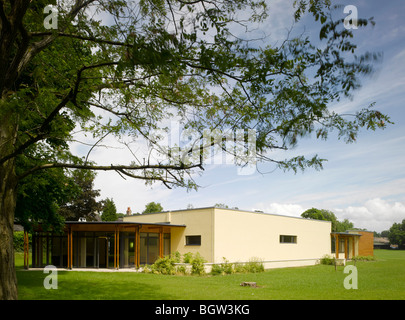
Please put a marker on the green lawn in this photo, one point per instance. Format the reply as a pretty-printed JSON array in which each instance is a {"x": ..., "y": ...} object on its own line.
[{"x": 381, "y": 279}]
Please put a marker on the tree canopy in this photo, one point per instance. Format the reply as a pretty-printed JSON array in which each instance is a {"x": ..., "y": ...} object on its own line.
[
  {"x": 396, "y": 234},
  {"x": 109, "y": 211},
  {"x": 121, "y": 69},
  {"x": 85, "y": 203},
  {"x": 152, "y": 207},
  {"x": 327, "y": 215}
]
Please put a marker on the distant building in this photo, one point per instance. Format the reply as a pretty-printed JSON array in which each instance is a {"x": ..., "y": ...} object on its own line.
[{"x": 381, "y": 243}]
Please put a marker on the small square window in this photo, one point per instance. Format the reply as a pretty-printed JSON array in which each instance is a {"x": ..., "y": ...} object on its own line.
[{"x": 193, "y": 240}]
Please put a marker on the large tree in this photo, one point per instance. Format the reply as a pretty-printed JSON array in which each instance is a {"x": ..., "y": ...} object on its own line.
[
  {"x": 109, "y": 212},
  {"x": 84, "y": 204},
  {"x": 152, "y": 207},
  {"x": 40, "y": 197},
  {"x": 396, "y": 234},
  {"x": 149, "y": 61},
  {"x": 327, "y": 215}
]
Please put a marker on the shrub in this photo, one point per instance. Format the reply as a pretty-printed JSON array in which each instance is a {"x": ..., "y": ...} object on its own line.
[
  {"x": 364, "y": 258},
  {"x": 167, "y": 265},
  {"x": 18, "y": 238},
  {"x": 254, "y": 265},
  {"x": 176, "y": 256},
  {"x": 217, "y": 270},
  {"x": 223, "y": 268},
  {"x": 164, "y": 266},
  {"x": 187, "y": 257},
  {"x": 197, "y": 265},
  {"x": 147, "y": 269},
  {"x": 181, "y": 270},
  {"x": 327, "y": 260},
  {"x": 227, "y": 267},
  {"x": 240, "y": 268}
]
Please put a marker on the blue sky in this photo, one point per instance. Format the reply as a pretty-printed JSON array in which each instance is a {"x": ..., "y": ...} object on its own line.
[{"x": 363, "y": 182}]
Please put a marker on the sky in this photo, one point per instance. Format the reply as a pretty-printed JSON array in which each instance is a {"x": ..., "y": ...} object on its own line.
[{"x": 363, "y": 182}]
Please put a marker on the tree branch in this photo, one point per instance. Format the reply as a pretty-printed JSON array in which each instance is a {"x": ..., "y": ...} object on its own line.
[
  {"x": 75, "y": 36},
  {"x": 120, "y": 168}
]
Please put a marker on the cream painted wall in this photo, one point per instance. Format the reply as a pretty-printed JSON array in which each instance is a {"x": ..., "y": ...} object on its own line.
[{"x": 241, "y": 235}]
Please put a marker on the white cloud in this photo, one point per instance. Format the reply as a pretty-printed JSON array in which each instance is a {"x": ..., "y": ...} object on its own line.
[
  {"x": 287, "y": 209},
  {"x": 375, "y": 214}
]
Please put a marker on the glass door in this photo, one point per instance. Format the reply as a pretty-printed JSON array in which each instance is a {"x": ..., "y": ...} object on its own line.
[{"x": 102, "y": 252}]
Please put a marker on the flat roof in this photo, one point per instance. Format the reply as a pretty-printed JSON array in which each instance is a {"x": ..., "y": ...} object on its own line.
[
  {"x": 167, "y": 224},
  {"x": 230, "y": 209},
  {"x": 347, "y": 233}
]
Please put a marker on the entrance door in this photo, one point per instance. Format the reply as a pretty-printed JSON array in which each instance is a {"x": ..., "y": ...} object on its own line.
[{"x": 102, "y": 252}]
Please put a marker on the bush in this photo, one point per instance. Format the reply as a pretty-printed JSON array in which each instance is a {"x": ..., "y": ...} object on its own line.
[
  {"x": 188, "y": 257},
  {"x": 217, "y": 270},
  {"x": 197, "y": 265},
  {"x": 182, "y": 270},
  {"x": 164, "y": 265},
  {"x": 19, "y": 241},
  {"x": 364, "y": 258},
  {"x": 327, "y": 260},
  {"x": 176, "y": 256},
  {"x": 227, "y": 267},
  {"x": 146, "y": 269},
  {"x": 167, "y": 265},
  {"x": 240, "y": 268},
  {"x": 254, "y": 266},
  {"x": 223, "y": 268}
]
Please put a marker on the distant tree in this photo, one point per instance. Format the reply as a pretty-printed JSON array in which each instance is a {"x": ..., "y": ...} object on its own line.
[
  {"x": 109, "y": 211},
  {"x": 84, "y": 205},
  {"x": 327, "y": 215},
  {"x": 344, "y": 225},
  {"x": 221, "y": 206},
  {"x": 384, "y": 233},
  {"x": 321, "y": 214},
  {"x": 40, "y": 197},
  {"x": 152, "y": 207},
  {"x": 397, "y": 234}
]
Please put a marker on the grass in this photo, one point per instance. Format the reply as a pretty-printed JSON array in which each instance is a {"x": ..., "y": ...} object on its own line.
[{"x": 383, "y": 279}]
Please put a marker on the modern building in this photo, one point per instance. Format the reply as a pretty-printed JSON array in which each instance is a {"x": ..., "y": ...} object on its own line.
[
  {"x": 346, "y": 245},
  {"x": 240, "y": 236},
  {"x": 215, "y": 233}
]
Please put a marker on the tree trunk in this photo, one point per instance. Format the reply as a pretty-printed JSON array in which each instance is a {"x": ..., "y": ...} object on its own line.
[{"x": 8, "y": 198}]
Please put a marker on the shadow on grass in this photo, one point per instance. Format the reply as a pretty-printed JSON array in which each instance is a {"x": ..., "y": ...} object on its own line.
[{"x": 88, "y": 285}]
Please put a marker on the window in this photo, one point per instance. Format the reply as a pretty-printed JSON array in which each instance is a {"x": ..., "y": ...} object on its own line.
[
  {"x": 288, "y": 239},
  {"x": 341, "y": 245},
  {"x": 193, "y": 240}
]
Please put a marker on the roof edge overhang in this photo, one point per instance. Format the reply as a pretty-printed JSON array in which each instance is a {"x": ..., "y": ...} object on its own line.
[
  {"x": 163, "y": 224},
  {"x": 346, "y": 234},
  {"x": 109, "y": 224}
]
